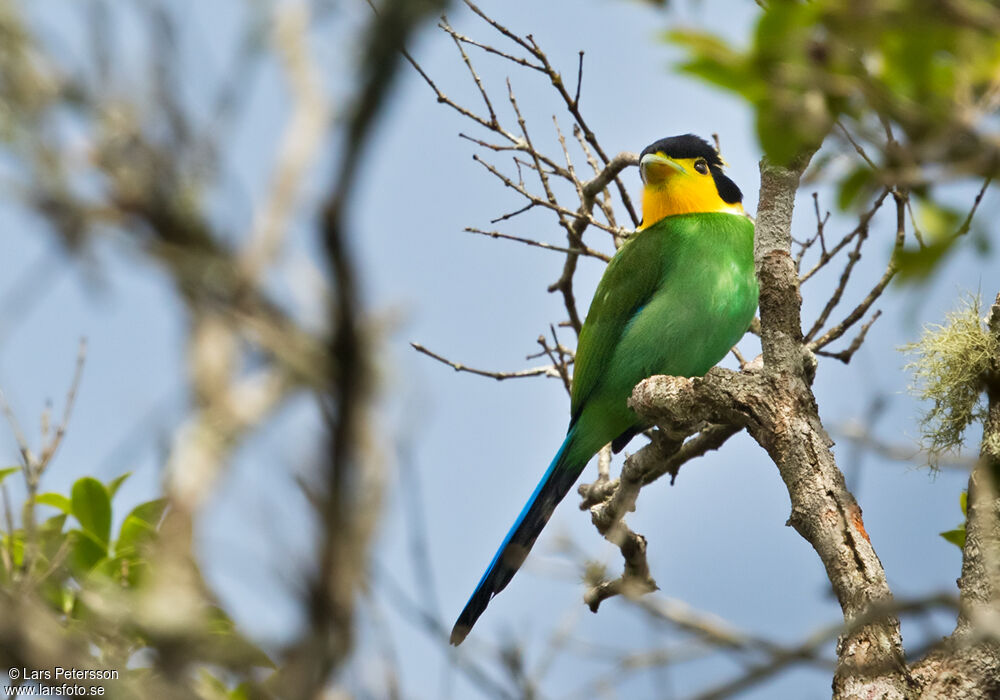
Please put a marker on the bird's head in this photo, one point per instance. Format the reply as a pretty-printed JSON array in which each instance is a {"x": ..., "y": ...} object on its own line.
[{"x": 683, "y": 175}]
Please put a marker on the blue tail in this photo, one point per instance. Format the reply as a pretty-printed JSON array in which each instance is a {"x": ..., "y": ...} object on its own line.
[{"x": 560, "y": 476}]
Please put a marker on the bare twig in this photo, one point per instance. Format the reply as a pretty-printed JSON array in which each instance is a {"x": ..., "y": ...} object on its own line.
[
  {"x": 589, "y": 252},
  {"x": 967, "y": 222},
  {"x": 876, "y": 291},
  {"x": 546, "y": 371},
  {"x": 428, "y": 623},
  {"x": 579, "y": 82},
  {"x": 559, "y": 356},
  {"x": 27, "y": 457},
  {"x": 852, "y": 259},
  {"x": 804, "y": 246},
  {"x": 857, "y": 147},
  {"x": 50, "y": 449},
  {"x": 860, "y": 435},
  {"x": 472, "y": 71},
  {"x": 862, "y": 226},
  {"x": 846, "y": 354},
  {"x": 549, "y": 203}
]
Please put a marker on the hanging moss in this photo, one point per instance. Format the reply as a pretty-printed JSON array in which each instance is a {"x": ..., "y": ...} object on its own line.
[{"x": 951, "y": 362}]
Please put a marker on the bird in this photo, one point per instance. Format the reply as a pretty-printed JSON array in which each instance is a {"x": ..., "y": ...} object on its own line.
[{"x": 674, "y": 299}]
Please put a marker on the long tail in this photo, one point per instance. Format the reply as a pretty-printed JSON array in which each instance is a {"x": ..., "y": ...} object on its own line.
[{"x": 558, "y": 479}]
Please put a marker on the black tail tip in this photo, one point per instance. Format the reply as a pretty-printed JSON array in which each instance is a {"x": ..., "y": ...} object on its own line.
[{"x": 459, "y": 632}]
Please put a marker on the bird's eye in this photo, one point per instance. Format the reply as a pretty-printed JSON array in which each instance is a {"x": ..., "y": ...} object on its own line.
[{"x": 701, "y": 166}]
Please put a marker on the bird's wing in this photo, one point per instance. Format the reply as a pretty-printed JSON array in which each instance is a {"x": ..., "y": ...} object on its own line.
[{"x": 629, "y": 282}]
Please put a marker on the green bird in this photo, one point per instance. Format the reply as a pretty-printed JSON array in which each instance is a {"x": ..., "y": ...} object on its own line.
[{"x": 673, "y": 300}]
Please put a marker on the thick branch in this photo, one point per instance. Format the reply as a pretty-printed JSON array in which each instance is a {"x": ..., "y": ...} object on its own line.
[
  {"x": 968, "y": 666},
  {"x": 980, "y": 582},
  {"x": 780, "y": 301},
  {"x": 786, "y": 423},
  {"x": 780, "y": 414}
]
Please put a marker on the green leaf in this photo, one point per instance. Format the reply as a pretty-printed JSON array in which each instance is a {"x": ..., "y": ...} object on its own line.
[
  {"x": 92, "y": 508},
  {"x": 86, "y": 551},
  {"x": 937, "y": 221},
  {"x": 136, "y": 571},
  {"x": 956, "y": 536},
  {"x": 150, "y": 512},
  {"x": 56, "y": 500},
  {"x": 53, "y": 525},
  {"x": 852, "y": 186},
  {"x": 116, "y": 482},
  {"x": 133, "y": 534},
  {"x": 14, "y": 543},
  {"x": 714, "y": 61},
  {"x": 68, "y": 601},
  {"x": 139, "y": 526},
  {"x": 917, "y": 265},
  {"x": 115, "y": 568},
  {"x": 52, "y": 594},
  {"x": 7, "y": 471},
  {"x": 50, "y": 535}
]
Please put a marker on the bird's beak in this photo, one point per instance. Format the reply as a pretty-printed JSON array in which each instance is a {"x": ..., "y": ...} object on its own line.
[{"x": 655, "y": 167}]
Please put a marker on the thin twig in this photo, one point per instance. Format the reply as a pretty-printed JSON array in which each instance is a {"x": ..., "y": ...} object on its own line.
[
  {"x": 49, "y": 450},
  {"x": 547, "y": 371},
  {"x": 559, "y": 362},
  {"x": 461, "y": 38},
  {"x": 857, "y": 146},
  {"x": 551, "y": 204},
  {"x": 472, "y": 71},
  {"x": 821, "y": 221},
  {"x": 967, "y": 223},
  {"x": 846, "y": 355},
  {"x": 27, "y": 458},
  {"x": 838, "y": 292},
  {"x": 861, "y": 436},
  {"x": 579, "y": 81},
  {"x": 863, "y": 222},
  {"x": 861, "y": 309}
]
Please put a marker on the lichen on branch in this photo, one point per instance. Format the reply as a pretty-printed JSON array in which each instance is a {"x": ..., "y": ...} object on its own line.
[{"x": 951, "y": 363}]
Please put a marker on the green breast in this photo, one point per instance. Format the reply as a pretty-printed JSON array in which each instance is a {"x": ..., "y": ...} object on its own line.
[{"x": 673, "y": 300}]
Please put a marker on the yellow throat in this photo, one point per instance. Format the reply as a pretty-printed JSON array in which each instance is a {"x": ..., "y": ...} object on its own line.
[{"x": 679, "y": 186}]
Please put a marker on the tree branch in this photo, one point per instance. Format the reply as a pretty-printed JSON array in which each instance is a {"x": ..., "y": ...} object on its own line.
[
  {"x": 968, "y": 665},
  {"x": 546, "y": 371}
]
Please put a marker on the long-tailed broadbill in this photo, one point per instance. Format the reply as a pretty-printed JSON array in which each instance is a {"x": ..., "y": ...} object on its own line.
[{"x": 675, "y": 298}]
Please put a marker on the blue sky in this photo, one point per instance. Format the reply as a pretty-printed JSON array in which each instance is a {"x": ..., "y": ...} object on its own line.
[{"x": 717, "y": 538}]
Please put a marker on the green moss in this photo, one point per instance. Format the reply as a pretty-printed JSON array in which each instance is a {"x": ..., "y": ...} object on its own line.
[{"x": 949, "y": 366}]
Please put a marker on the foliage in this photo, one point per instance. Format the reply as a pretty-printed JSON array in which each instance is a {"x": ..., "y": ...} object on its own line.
[
  {"x": 914, "y": 84},
  {"x": 951, "y": 362},
  {"x": 88, "y": 577},
  {"x": 930, "y": 71},
  {"x": 957, "y": 536}
]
